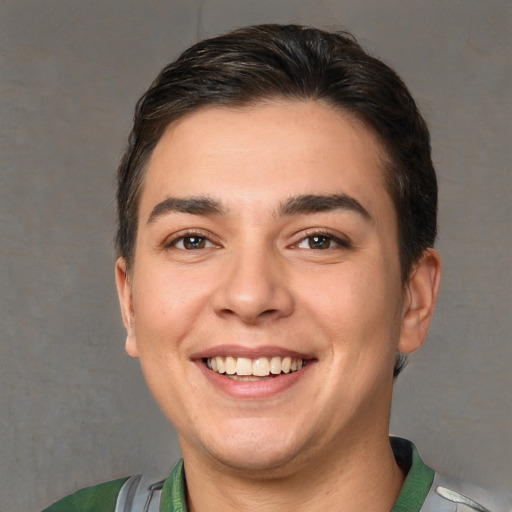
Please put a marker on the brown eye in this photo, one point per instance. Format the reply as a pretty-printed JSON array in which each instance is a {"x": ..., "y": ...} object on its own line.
[
  {"x": 319, "y": 242},
  {"x": 322, "y": 242},
  {"x": 193, "y": 242}
]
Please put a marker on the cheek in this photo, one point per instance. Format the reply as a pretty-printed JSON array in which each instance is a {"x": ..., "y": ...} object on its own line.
[
  {"x": 350, "y": 294},
  {"x": 357, "y": 306},
  {"x": 166, "y": 306}
]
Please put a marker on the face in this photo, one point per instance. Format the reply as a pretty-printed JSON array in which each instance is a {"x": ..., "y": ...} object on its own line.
[{"x": 265, "y": 302}]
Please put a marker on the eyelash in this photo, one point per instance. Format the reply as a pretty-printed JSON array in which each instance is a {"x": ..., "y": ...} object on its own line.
[
  {"x": 181, "y": 237},
  {"x": 343, "y": 243}
]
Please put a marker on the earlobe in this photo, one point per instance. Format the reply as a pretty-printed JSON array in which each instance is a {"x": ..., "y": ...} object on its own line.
[
  {"x": 124, "y": 292},
  {"x": 421, "y": 294}
]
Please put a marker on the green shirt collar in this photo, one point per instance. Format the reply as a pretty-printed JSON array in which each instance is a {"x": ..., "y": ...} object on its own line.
[
  {"x": 418, "y": 480},
  {"x": 412, "y": 495},
  {"x": 173, "y": 491}
]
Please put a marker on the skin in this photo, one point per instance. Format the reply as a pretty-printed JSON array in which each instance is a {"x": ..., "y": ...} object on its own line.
[{"x": 256, "y": 282}]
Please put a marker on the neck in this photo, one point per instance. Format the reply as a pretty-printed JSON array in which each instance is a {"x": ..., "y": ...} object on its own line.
[{"x": 357, "y": 476}]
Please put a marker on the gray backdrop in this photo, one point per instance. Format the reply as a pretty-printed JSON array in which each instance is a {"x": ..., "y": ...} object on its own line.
[{"x": 73, "y": 407}]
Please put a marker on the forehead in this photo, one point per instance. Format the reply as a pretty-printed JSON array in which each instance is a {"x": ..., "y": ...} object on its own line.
[{"x": 268, "y": 150}]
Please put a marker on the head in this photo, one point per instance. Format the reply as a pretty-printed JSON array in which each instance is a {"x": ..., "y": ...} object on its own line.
[
  {"x": 277, "y": 211},
  {"x": 272, "y": 62}
]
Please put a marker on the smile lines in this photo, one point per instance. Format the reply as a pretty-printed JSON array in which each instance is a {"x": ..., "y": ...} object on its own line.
[{"x": 261, "y": 367}]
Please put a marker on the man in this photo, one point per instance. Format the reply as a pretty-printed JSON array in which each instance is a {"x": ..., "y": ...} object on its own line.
[{"x": 277, "y": 215}]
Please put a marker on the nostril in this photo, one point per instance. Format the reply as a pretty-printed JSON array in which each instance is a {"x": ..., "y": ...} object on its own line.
[
  {"x": 250, "y": 317},
  {"x": 227, "y": 312}
]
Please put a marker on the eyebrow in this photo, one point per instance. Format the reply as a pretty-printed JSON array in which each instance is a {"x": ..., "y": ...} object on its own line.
[
  {"x": 306, "y": 204},
  {"x": 296, "y": 205},
  {"x": 199, "y": 205}
]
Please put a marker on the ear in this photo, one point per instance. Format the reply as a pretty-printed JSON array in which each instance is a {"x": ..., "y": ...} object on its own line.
[
  {"x": 420, "y": 297},
  {"x": 124, "y": 292}
]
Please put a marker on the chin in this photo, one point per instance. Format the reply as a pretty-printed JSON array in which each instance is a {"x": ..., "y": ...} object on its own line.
[
  {"x": 258, "y": 453},
  {"x": 266, "y": 464}
]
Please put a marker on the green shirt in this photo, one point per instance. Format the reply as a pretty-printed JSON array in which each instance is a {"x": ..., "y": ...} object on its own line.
[{"x": 102, "y": 497}]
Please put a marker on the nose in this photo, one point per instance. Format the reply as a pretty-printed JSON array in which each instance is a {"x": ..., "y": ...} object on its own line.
[{"x": 253, "y": 289}]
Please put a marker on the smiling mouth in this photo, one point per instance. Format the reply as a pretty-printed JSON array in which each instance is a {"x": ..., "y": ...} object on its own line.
[{"x": 246, "y": 369}]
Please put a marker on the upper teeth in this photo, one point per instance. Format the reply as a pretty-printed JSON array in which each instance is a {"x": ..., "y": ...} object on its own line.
[{"x": 260, "y": 367}]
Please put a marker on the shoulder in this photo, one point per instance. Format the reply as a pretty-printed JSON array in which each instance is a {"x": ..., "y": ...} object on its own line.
[
  {"x": 450, "y": 494},
  {"x": 425, "y": 490},
  {"x": 98, "y": 498}
]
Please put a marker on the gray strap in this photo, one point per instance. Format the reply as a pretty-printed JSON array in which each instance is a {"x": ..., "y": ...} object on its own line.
[
  {"x": 447, "y": 495},
  {"x": 139, "y": 494}
]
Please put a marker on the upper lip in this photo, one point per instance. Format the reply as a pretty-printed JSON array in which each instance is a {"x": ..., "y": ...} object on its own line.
[{"x": 250, "y": 352}]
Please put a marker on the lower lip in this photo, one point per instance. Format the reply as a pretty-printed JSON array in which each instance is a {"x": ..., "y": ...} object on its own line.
[{"x": 254, "y": 389}]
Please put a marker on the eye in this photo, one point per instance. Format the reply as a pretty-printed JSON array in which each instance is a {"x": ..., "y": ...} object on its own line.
[
  {"x": 321, "y": 241},
  {"x": 192, "y": 242}
]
